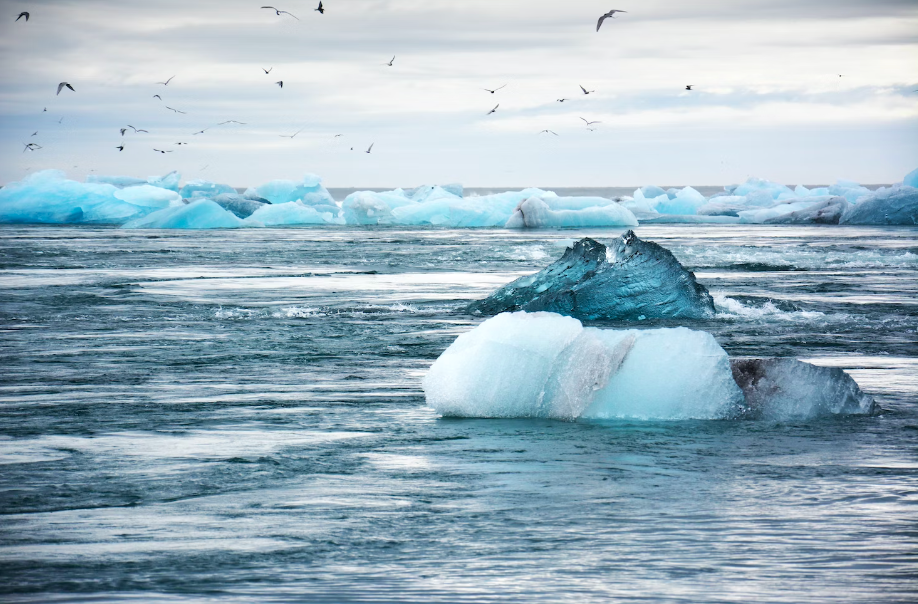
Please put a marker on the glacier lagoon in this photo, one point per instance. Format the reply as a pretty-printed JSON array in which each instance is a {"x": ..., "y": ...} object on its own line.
[{"x": 239, "y": 415}]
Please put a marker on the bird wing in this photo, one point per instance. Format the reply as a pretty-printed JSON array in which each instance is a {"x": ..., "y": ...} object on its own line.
[
  {"x": 584, "y": 90},
  {"x": 60, "y": 87},
  {"x": 291, "y": 14},
  {"x": 599, "y": 23},
  {"x": 371, "y": 147}
]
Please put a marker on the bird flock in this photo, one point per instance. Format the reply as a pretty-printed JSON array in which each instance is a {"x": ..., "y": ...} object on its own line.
[{"x": 590, "y": 124}]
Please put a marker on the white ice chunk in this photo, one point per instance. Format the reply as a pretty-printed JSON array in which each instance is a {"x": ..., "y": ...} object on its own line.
[
  {"x": 537, "y": 213},
  {"x": 288, "y": 214},
  {"x": 546, "y": 365}
]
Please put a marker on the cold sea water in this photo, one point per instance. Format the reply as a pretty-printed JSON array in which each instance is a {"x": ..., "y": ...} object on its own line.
[{"x": 237, "y": 416}]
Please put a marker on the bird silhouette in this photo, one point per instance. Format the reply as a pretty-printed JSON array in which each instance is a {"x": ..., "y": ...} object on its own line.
[
  {"x": 166, "y": 83},
  {"x": 63, "y": 85},
  {"x": 156, "y": 96},
  {"x": 163, "y": 152},
  {"x": 267, "y": 71},
  {"x": 548, "y": 132},
  {"x": 391, "y": 62},
  {"x": 585, "y": 91},
  {"x": 291, "y": 135},
  {"x": 31, "y": 147},
  {"x": 136, "y": 130},
  {"x": 321, "y": 9},
  {"x": 176, "y": 110},
  {"x": 23, "y": 14},
  {"x": 689, "y": 87},
  {"x": 562, "y": 100},
  {"x": 371, "y": 147},
  {"x": 280, "y": 12},
  {"x": 495, "y": 90},
  {"x": 120, "y": 148},
  {"x": 610, "y": 14},
  {"x": 494, "y": 110},
  {"x": 590, "y": 123},
  {"x": 281, "y": 83}
]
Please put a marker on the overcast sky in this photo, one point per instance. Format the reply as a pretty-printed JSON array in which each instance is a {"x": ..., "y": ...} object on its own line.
[{"x": 768, "y": 100}]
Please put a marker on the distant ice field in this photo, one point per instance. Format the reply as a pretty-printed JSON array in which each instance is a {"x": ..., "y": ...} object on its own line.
[{"x": 237, "y": 415}]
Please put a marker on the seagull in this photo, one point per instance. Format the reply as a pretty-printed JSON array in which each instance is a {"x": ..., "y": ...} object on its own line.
[
  {"x": 181, "y": 143},
  {"x": 495, "y": 90},
  {"x": 494, "y": 110},
  {"x": 562, "y": 100},
  {"x": 337, "y": 135},
  {"x": 292, "y": 135},
  {"x": 548, "y": 132},
  {"x": 120, "y": 147},
  {"x": 136, "y": 130},
  {"x": 30, "y": 147},
  {"x": 609, "y": 14},
  {"x": 60, "y": 120},
  {"x": 176, "y": 110},
  {"x": 123, "y": 130},
  {"x": 156, "y": 96},
  {"x": 590, "y": 123},
  {"x": 321, "y": 9},
  {"x": 267, "y": 71},
  {"x": 281, "y": 83},
  {"x": 391, "y": 62},
  {"x": 166, "y": 83},
  {"x": 231, "y": 122},
  {"x": 35, "y": 133},
  {"x": 279, "y": 12},
  {"x": 23, "y": 14},
  {"x": 62, "y": 85},
  {"x": 200, "y": 132},
  {"x": 585, "y": 91},
  {"x": 158, "y": 151},
  {"x": 371, "y": 147}
]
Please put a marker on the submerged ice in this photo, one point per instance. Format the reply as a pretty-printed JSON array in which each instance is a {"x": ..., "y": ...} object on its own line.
[
  {"x": 629, "y": 279},
  {"x": 544, "y": 365}
]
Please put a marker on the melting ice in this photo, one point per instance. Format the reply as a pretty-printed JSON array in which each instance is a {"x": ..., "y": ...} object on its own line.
[{"x": 160, "y": 202}]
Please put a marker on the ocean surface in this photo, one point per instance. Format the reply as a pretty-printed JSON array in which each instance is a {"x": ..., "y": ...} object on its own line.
[{"x": 237, "y": 416}]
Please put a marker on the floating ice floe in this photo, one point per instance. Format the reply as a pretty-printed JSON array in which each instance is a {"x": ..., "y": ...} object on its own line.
[
  {"x": 629, "y": 279},
  {"x": 49, "y": 197},
  {"x": 544, "y": 365}
]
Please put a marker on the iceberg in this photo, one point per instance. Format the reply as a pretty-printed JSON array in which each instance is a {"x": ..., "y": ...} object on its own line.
[
  {"x": 200, "y": 214},
  {"x": 544, "y": 365},
  {"x": 893, "y": 206},
  {"x": 238, "y": 204},
  {"x": 631, "y": 279},
  {"x": 205, "y": 189},
  {"x": 290, "y": 214},
  {"x": 560, "y": 212},
  {"x": 309, "y": 192},
  {"x": 49, "y": 197},
  {"x": 829, "y": 211},
  {"x": 788, "y": 389}
]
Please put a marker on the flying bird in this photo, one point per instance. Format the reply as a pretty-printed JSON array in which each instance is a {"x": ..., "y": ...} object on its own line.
[
  {"x": 35, "y": 133},
  {"x": 158, "y": 151},
  {"x": 495, "y": 90},
  {"x": 62, "y": 85},
  {"x": 30, "y": 147},
  {"x": 391, "y": 62},
  {"x": 590, "y": 123},
  {"x": 279, "y": 12},
  {"x": 156, "y": 96},
  {"x": 231, "y": 122},
  {"x": 321, "y": 9},
  {"x": 689, "y": 87},
  {"x": 44, "y": 110},
  {"x": 371, "y": 147},
  {"x": 200, "y": 132},
  {"x": 166, "y": 83},
  {"x": 23, "y": 14},
  {"x": 267, "y": 71},
  {"x": 337, "y": 135},
  {"x": 548, "y": 132},
  {"x": 610, "y": 14},
  {"x": 281, "y": 83},
  {"x": 562, "y": 100},
  {"x": 176, "y": 110},
  {"x": 181, "y": 143},
  {"x": 292, "y": 135},
  {"x": 137, "y": 129},
  {"x": 120, "y": 147},
  {"x": 585, "y": 91},
  {"x": 494, "y": 110},
  {"x": 123, "y": 130},
  {"x": 60, "y": 120}
]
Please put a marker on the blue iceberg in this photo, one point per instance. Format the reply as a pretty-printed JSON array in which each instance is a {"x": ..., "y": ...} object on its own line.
[
  {"x": 631, "y": 279},
  {"x": 200, "y": 214},
  {"x": 896, "y": 205}
]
